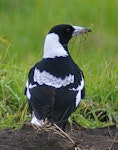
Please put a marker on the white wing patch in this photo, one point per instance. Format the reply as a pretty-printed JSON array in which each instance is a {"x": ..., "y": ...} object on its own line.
[
  {"x": 78, "y": 98},
  {"x": 79, "y": 88},
  {"x": 50, "y": 80},
  {"x": 29, "y": 86}
]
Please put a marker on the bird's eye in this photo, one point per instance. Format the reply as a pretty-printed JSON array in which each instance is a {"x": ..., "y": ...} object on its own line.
[{"x": 68, "y": 30}]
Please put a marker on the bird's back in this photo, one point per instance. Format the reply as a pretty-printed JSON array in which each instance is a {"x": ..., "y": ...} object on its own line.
[{"x": 53, "y": 89}]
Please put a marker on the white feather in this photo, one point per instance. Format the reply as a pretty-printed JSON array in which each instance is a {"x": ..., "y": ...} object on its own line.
[
  {"x": 52, "y": 47},
  {"x": 29, "y": 86},
  {"x": 50, "y": 80},
  {"x": 79, "y": 88},
  {"x": 36, "y": 121}
]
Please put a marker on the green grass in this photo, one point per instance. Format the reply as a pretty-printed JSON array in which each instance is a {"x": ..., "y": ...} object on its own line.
[{"x": 23, "y": 26}]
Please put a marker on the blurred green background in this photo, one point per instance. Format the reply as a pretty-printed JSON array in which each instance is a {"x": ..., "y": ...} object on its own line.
[
  {"x": 23, "y": 26},
  {"x": 25, "y": 23}
]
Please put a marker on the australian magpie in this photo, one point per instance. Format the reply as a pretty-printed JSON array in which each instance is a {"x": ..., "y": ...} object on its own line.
[{"x": 55, "y": 85}]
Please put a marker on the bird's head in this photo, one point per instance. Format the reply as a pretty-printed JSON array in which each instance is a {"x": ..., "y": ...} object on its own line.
[
  {"x": 66, "y": 32},
  {"x": 58, "y": 37}
]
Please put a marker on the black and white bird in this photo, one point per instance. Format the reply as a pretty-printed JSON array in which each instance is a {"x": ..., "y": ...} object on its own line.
[{"x": 55, "y": 85}]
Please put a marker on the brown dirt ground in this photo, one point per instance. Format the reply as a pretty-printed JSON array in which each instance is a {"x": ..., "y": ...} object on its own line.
[{"x": 26, "y": 138}]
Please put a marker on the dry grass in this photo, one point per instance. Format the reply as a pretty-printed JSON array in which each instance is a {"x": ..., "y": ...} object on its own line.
[{"x": 55, "y": 129}]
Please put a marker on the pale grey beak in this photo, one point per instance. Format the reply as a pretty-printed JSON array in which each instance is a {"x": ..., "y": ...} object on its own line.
[{"x": 80, "y": 30}]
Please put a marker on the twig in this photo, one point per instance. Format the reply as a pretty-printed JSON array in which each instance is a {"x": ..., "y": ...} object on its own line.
[
  {"x": 46, "y": 127},
  {"x": 113, "y": 141},
  {"x": 65, "y": 134}
]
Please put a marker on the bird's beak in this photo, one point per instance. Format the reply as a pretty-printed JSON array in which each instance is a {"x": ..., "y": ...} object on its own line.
[{"x": 80, "y": 30}]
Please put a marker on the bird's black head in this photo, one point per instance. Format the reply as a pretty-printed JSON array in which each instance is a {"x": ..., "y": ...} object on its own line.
[
  {"x": 56, "y": 40},
  {"x": 64, "y": 31}
]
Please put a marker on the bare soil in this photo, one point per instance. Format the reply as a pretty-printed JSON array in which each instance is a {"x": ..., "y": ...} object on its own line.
[{"x": 27, "y": 138}]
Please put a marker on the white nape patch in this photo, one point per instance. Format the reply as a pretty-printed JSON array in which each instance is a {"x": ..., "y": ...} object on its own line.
[
  {"x": 79, "y": 88},
  {"x": 36, "y": 121},
  {"x": 50, "y": 80},
  {"x": 52, "y": 47},
  {"x": 29, "y": 86}
]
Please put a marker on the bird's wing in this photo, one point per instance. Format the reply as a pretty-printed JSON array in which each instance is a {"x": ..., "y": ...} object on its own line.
[
  {"x": 78, "y": 86},
  {"x": 40, "y": 97}
]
